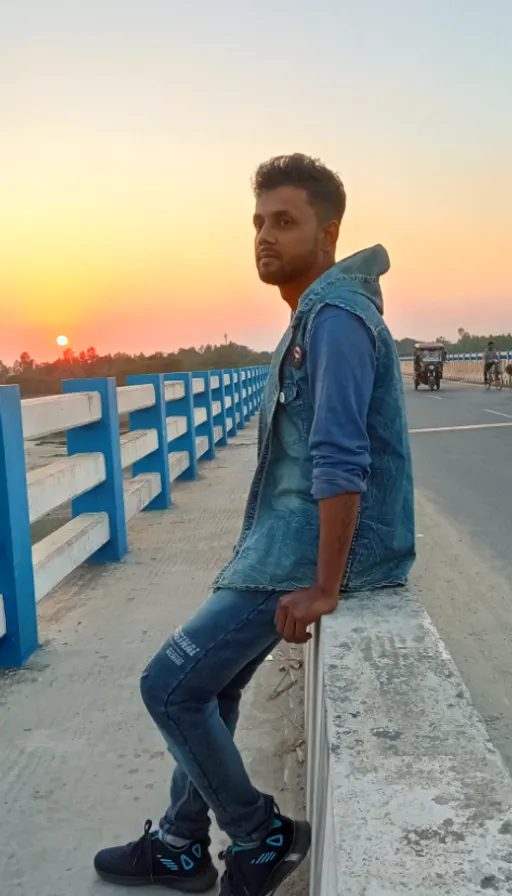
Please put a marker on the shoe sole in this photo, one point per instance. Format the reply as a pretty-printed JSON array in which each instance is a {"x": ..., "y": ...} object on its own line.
[
  {"x": 200, "y": 884},
  {"x": 293, "y": 858}
]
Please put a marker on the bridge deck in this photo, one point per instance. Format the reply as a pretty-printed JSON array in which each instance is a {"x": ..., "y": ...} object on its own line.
[{"x": 81, "y": 764}]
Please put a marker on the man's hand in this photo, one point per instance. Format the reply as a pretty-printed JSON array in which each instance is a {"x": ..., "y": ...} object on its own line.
[{"x": 299, "y": 609}]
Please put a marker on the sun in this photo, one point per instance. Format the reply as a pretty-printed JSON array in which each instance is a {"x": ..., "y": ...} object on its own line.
[{"x": 62, "y": 340}]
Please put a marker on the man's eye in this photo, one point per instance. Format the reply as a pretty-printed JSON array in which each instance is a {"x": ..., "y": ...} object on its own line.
[{"x": 285, "y": 222}]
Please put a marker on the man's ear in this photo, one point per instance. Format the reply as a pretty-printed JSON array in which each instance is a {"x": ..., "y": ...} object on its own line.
[{"x": 330, "y": 236}]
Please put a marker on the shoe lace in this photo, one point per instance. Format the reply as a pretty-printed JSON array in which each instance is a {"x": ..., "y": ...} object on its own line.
[{"x": 142, "y": 848}]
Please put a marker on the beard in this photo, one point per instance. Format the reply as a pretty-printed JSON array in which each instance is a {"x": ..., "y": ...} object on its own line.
[{"x": 279, "y": 272}]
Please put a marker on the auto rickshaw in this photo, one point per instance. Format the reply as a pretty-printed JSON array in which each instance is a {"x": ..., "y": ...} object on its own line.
[{"x": 429, "y": 358}]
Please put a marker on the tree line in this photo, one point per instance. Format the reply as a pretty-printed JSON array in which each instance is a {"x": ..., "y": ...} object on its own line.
[
  {"x": 466, "y": 342},
  {"x": 44, "y": 378}
]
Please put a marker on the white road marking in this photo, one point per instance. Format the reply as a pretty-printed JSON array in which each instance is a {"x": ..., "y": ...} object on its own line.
[
  {"x": 498, "y": 413},
  {"x": 458, "y": 428},
  {"x": 437, "y": 397}
]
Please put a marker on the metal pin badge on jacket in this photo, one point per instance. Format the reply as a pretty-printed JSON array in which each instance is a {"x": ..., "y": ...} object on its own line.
[{"x": 297, "y": 357}]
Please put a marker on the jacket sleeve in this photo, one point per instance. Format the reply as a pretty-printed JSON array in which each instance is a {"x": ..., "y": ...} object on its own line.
[{"x": 341, "y": 367}]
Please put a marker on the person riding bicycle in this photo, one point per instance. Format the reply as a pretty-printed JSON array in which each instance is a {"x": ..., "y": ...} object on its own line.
[{"x": 491, "y": 357}]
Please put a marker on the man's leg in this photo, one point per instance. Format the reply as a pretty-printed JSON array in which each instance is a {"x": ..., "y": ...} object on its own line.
[
  {"x": 188, "y": 815},
  {"x": 181, "y": 688},
  {"x": 192, "y": 690}
]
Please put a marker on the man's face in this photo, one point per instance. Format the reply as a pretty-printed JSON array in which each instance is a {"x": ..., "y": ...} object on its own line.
[{"x": 289, "y": 240}]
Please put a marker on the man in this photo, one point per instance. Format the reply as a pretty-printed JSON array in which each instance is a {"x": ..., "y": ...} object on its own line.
[
  {"x": 330, "y": 510},
  {"x": 491, "y": 357}
]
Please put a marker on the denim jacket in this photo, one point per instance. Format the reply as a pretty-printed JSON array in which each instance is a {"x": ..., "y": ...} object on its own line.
[{"x": 278, "y": 546}]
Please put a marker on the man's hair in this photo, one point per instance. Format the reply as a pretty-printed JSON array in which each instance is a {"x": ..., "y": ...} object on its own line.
[{"x": 324, "y": 188}]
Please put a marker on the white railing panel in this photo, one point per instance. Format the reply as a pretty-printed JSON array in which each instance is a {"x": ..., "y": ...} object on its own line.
[
  {"x": 133, "y": 398},
  {"x": 179, "y": 461},
  {"x": 176, "y": 426},
  {"x": 137, "y": 444},
  {"x": 215, "y": 382},
  {"x": 229, "y": 401},
  {"x": 216, "y": 408},
  {"x": 139, "y": 492},
  {"x": 56, "y": 556},
  {"x": 174, "y": 389},
  {"x": 227, "y": 379},
  {"x": 197, "y": 385},
  {"x": 56, "y": 413},
  {"x": 3, "y": 624},
  {"x": 201, "y": 446},
  {"x": 217, "y": 433},
  {"x": 200, "y": 416},
  {"x": 61, "y": 481}
]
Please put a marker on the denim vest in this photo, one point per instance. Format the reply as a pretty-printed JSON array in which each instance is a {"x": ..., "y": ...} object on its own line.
[{"x": 278, "y": 546}]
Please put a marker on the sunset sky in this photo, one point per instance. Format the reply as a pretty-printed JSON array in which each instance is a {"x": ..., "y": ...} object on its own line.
[{"x": 129, "y": 130}]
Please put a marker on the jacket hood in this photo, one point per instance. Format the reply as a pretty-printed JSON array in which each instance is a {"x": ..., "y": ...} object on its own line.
[{"x": 359, "y": 273}]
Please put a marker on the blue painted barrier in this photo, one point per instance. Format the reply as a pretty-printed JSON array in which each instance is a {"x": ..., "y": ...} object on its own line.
[
  {"x": 184, "y": 407},
  {"x": 16, "y": 573},
  {"x": 219, "y": 398},
  {"x": 154, "y": 417},
  {"x": 174, "y": 420},
  {"x": 203, "y": 399},
  {"x": 103, "y": 436}
]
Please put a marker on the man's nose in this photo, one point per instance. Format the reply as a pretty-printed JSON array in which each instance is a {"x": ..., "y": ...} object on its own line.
[{"x": 266, "y": 235}]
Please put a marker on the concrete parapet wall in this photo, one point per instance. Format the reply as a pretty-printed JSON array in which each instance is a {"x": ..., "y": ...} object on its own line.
[{"x": 406, "y": 793}]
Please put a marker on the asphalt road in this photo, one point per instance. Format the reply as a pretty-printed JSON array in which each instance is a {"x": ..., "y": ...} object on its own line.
[{"x": 462, "y": 452}]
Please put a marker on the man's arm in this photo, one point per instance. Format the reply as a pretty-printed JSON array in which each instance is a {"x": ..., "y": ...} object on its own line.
[
  {"x": 341, "y": 365},
  {"x": 338, "y": 518}
]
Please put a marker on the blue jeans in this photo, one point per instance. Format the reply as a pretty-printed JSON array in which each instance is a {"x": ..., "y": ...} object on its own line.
[{"x": 192, "y": 689}]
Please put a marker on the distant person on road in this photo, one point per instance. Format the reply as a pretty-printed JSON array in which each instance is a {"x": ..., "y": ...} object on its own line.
[
  {"x": 491, "y": 357},
  {"x": 329, "y": 511}
]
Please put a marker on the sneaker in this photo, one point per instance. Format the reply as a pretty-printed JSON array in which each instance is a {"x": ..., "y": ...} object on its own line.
[
  {"x": 260, "y": 870},
  {"x": 150, "y": 861}
]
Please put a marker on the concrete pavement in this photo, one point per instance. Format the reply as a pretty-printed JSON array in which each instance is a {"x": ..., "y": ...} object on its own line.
[
  {"x": 81, "y": 764},
  {"x": 464, "y": 569}
]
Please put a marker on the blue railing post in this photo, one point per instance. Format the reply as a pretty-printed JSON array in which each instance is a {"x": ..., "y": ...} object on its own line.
[
  {"x": 184, "y": 407},
  {"x": 230, "y": 390},
  {"x": 257, "y": 377},
  {"x": 247, "y": 399},
  {"x": 153, "y": 418},
  {"x": 254, "y": 391},
  {"x": 219, "y": 396},
  {"x": 257, "y": 383},
  {"x": 203, "y": 399},
  {"x": 239, "y": 398},
  {"x": 250, "y": 391},
  {"x": 16, "y": 570},
  {"x": 103, "y": 436},
  {"x": 247, "y": 402}
]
